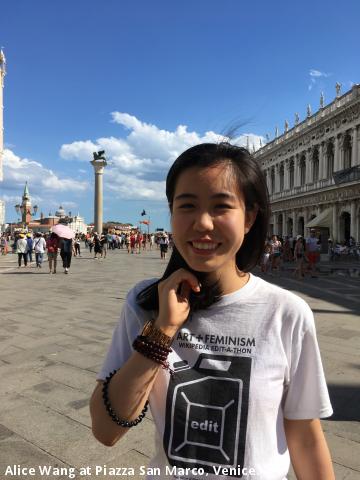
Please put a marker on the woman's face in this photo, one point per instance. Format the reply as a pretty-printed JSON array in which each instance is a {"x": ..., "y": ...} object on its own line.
[{"x": 208, "y": 219}]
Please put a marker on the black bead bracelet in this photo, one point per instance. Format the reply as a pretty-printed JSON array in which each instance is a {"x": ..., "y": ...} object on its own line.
[{"x": 114, "y": 417}]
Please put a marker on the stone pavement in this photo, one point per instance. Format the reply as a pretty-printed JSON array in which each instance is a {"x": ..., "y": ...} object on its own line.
[{"x": 55, "y": 330}]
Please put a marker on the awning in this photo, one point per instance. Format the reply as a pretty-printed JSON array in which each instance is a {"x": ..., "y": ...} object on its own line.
[{"x": 324, "y": 219}]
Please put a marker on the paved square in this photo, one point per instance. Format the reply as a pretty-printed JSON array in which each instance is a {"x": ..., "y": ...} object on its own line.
[{"x": 55, "y": 330}]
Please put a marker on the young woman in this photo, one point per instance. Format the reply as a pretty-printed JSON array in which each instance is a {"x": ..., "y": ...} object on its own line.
[
  {"x": 248, "y": 386},
  {"x": 299, "y": 253},
  {"x": 52, "y": 245}
]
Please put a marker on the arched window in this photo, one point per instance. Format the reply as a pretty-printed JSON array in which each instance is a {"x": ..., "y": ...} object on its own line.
[
  {"x": 291, "y": 174},
  {"x": 330, "y": 160},
  {"x": 316, "y": 165},
  {"x": 347, "y": 151},
  {"x": 302, "y": 170},
  {"x": 281, "y": 174}
]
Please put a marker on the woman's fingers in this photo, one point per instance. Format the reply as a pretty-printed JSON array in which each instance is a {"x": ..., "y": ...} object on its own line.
[{"x": 174, "y": 281}]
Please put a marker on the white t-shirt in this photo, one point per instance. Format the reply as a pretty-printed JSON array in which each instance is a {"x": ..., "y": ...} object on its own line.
[
  {"x": 241, "y": 366},
  {"x": 39, "y": 245}
]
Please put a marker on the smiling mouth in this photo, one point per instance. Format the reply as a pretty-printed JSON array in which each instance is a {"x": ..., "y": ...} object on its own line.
[{"x": 205, "y": 247}]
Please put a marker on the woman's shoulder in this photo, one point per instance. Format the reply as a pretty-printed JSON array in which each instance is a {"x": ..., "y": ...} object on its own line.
[{"x": 138, "y": 287}]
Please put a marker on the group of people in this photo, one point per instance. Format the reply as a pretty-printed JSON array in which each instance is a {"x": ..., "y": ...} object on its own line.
[
  {"x": 305, "y": 252},
  {"x": 27, "y": 245},
  {"x": 134, "y": 242}
]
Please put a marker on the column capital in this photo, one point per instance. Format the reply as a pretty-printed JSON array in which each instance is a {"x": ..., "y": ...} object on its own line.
[{"x": 99, "y": 166}]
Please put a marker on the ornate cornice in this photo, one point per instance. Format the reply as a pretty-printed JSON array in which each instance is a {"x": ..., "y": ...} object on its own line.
[{"x": 313, "y": 199}]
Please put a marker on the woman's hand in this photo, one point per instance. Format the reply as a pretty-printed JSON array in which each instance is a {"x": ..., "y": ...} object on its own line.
[{"x": 174, "y": 306}]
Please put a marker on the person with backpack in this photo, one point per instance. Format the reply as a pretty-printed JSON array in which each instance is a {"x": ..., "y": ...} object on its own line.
[
  {"x": 39, "y": 247},
  {"x": 66, "y": 253},
  {"x": 52, "y": 245}
]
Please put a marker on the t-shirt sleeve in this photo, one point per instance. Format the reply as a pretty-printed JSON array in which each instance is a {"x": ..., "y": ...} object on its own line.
[
  {"x": 306, "y": 394},
  {"x": 127, "y": 328}
]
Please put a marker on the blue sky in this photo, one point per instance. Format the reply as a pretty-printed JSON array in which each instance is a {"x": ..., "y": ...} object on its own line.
[{"x": 145, "y": 80}]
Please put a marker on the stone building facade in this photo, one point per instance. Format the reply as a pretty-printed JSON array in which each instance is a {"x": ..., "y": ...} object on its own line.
[{"x": 313, "y": 172}]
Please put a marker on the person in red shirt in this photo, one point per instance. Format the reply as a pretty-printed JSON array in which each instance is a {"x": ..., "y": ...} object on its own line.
[{"x": 52, "y": 246}]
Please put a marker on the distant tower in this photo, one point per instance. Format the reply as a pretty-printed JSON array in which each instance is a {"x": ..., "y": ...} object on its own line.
[
  {"x": 2, "y": 75},
  {"x": 26, "y": 204},
  {"x": 99, "y": 163}
]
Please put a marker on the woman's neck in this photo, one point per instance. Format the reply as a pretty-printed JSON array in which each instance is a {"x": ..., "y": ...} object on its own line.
[{"x": 230, "y": 282}]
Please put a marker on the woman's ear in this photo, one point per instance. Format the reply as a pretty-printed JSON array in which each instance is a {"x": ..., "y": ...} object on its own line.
[{"x": 250, "y": 217}]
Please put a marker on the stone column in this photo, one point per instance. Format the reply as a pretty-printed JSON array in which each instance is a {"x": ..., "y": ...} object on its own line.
[
  {"x": 268, "y": 179},
  {"x": 335, "y": 223},
  {"x": 98, "y": 165},
  {"x": 294, "y": 217},
  {"x": 277, "y": 178},
  {"x": 287, "y": 174},
  {"x": 355, "y": 160},
  {"x": 306, "y": 219},
  {"x": 284, "y": 224},
  {"x": 297, "y": 171},
  {"x": 353, "y": 219},
  {"x": 321, "y": 161},
  {"x": 308, "y": 163},
  {"x": 336, "y": 154}
]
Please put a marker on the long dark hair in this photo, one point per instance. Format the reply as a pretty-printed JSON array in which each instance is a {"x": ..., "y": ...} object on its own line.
[{"x": 251, "y": 183}]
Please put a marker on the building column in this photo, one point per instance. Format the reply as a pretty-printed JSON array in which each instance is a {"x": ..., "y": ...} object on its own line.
[
  {"x": 287, "y": 174},
  {"x": 98, "y": 164},
  {"x": 355, "y": 160},
  {"x": 308, "y": 163},
  {"x": 294, "y": 217},
  {"x": 284, "y": 224},
  {"x": 268, "y": 179},
  {"x": 335, "y": 223},
  {"x": 297, "y": 171},
  {"x": 321, "y": 161},
  {"x": 353, "y": 219},
  {"x": 277, "y": 178},
  {"x": 336, "y": 154},
  {"x": 306, "y": 219}
]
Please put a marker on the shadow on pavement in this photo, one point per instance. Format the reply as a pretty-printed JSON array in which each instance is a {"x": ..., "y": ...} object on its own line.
[
  {"x": 322, "y": 288},
  {"x": 345, "y": 400}
]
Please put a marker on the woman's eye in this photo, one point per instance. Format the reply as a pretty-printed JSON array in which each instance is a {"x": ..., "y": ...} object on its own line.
[
  {"x": 223, "y": 206},
  {"x": 186, "y": 205}
]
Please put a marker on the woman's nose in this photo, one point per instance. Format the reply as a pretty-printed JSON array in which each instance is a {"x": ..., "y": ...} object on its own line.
[{"x": 203, "y": 222}]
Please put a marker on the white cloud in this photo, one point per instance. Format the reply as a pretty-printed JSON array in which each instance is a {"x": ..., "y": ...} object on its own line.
[
  {"x": 139, "y": 162},
  {"x": 317, "y": 73},
  {"x": 19, "y": 170}
]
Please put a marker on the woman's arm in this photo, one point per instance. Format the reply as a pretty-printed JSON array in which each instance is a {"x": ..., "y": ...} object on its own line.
[
  {"x": 128, "y": 391},
  {"x": 308, "y": 449}
]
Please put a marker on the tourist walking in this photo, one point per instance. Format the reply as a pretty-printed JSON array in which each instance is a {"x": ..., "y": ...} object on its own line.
[
  {"x": 39, "y": 247},
  {"x": 299, "y": 253},
  {"x": 104, "y": 245},
  {"x": 97, "y": 245},
  {"x": 30, "y": 243},
  {"x": 265, "y": 259},
  {"x": 52, "y": 245},
  {"x": 132, "y": 242},
  {"x": 91, "y": 242},
  {"x": 21, "y": 248},
  {"x": 275, "y": 254},
  {"x": 312, "y": 252},
  {"x": 77, "y": 245},
  {"x": 4, "y": 245},
  {"x": 66, "y": 253},
  {"x": 164, "y": 245},
  {"x": 228, "y": 362}
]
